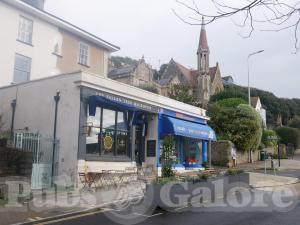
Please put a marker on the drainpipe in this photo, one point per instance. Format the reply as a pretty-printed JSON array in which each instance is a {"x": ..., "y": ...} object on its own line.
[
  {"x": 56, "y": 99},
  {"x": 13, "y": 105}
]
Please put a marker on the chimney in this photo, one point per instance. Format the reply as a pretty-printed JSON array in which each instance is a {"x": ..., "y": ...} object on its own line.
[{"x": 36, "y": 3}]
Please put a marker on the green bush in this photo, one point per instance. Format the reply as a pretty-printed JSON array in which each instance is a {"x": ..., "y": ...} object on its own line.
[
  {"x": 289, "y": 135},
  {"x": 241, "y": 125},
  {"x": 167, "y": 171},
  {"x": 231, "y": 102},
  {"x": 233, "y": 172},
  {"x": 203, "y": 176},
  {"x": 295, "y": 122},
  {"x": 167, "y": 157}
]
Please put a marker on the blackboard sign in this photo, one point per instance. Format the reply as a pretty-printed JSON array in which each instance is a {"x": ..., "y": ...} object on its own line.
[{"x": 151, "y": 148}]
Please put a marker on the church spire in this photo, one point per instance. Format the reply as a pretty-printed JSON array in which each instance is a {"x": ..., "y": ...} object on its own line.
[{"x": 203, "y": 39}]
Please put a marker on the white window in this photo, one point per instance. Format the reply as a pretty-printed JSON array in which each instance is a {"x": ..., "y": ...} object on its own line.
[
  {"x": 22, "y": 68},
  {"x": 25, "y": 30},
  {"x": 84, "y": 54}
]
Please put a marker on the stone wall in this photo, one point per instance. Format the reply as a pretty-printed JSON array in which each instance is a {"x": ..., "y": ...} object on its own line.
[
  {"x": 221, "y": 154},
  {"x": 14, "y": 162}
]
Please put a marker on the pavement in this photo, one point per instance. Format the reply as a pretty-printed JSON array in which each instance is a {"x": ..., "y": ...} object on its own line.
[{"x": 84, "y": 206}]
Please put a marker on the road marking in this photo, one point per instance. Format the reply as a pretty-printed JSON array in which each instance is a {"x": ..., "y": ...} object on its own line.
[
  {"x": 177, "y": 209},
  {"x": 157, "y": 214},
  {"x": 69, "y": 218}
]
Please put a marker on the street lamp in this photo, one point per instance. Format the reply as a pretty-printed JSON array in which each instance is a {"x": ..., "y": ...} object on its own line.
[{"x": 251, "y": 54}]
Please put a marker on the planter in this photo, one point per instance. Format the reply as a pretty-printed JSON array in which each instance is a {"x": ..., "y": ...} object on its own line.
[{"x": 179, "y": 194}]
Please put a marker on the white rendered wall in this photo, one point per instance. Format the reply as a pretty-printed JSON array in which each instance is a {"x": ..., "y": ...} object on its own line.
[
  {"x": 44, "y": 39},
  {"x": 36, "y": 109}
]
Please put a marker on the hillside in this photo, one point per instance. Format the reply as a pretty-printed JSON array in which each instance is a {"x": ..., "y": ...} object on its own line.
[{"x": 276, "y": 107}]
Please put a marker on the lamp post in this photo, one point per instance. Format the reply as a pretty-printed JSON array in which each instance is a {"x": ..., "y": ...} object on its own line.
[{"x": 251, "y": 54}]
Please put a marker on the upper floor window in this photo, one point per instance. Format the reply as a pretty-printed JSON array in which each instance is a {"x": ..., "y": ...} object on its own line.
[
  {"x": 84, "y": 54},
  {"x": 25, "y": 30},
  {"x": 22, "y": 68}
]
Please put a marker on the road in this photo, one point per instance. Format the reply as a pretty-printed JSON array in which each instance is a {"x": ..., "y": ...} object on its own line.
[{"x": 187, "y": 216}]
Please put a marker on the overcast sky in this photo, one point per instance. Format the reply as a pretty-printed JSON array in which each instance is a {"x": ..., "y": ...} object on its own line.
[{"x": 149, "y": 28}]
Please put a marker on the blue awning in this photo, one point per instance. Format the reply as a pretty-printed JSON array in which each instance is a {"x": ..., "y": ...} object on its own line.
[
  {"x": 101, "y": 101},
  {"x": 173, "y": 126}
]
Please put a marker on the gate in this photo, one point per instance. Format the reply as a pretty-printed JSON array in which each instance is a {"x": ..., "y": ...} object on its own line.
[{"x": 43, "y": 163}]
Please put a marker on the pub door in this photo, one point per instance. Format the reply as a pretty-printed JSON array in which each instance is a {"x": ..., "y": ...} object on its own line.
[{"x": 139, "y": 144}]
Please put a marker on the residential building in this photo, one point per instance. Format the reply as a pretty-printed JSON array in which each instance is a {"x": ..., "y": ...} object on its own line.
[
  {"x": 256, "y": 104},
  {"x": 228, "y": 81},
  {"x": 36, "y": 44},
  {"x": 140, "y": 74}
]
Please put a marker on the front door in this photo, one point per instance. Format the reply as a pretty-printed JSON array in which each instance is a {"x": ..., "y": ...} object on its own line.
[{"x": 139, "y": 145}]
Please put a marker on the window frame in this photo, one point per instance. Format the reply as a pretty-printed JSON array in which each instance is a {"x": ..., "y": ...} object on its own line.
[
  {"x": 100, "y": 156},
  {"x": 80, "y": 59},
  {"x": 24, "y": 71},
  {"x": 19, "y": 38}
]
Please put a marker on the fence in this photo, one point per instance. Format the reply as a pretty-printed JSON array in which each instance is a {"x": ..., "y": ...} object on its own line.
[{"x": 43, "y": 150}]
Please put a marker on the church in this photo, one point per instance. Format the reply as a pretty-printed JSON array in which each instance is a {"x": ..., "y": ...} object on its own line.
[{"x": 205, "y": 81}]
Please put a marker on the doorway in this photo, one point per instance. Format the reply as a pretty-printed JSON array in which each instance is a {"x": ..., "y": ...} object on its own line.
[{"x": 139, "y": 144}]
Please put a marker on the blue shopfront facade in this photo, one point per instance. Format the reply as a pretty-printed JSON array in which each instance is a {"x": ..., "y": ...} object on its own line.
[
  {"x": 120, "y": 129},
  {"x": 192, "y": 138}
]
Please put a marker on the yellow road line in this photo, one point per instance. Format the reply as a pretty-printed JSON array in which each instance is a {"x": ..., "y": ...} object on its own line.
[{"x": 69, "y": 218}]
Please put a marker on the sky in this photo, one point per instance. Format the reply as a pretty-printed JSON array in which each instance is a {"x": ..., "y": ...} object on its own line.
[{"x": 150, "y": 28}]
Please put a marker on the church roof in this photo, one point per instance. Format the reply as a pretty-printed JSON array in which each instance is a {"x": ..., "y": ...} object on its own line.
[
  {"x": 122, "y": 72},
  {"x": 203, "y": 38},
  {"x": 212, "y": 72},
  {"x": 189, "y": 75}
]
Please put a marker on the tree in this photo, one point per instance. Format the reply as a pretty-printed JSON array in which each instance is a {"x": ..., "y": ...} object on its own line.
[
  {"x": 231, "y": 102},
  {"x": 241, "y": 125},
  {"x": 120, "y": 62},
  {"x": 295, "y": 122},
  {"x": 278, "y": 15},
  {"x": 183, "y": 93},
  {"x": 269, "y": 138},
  {"x": 287, "y": 108},
  {"x": 289, "y": 135}
]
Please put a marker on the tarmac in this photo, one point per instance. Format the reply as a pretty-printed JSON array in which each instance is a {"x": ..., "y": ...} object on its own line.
[{"x": 72, "y": 203}]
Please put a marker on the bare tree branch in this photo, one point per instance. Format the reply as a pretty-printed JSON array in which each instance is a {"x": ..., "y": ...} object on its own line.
[{"x": 277, "y": 13}]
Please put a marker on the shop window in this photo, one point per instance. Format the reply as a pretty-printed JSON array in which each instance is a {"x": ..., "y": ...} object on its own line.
[
  {"x": 192, "y": 151},
  {"x": 93, "y": 130},
  {"x": 110, "y": 136}
]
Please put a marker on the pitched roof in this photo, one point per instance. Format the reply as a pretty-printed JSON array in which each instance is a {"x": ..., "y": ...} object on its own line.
[
  {"x": 164, "y": 81},
  {"x": 58, "y": 22},
  {"x": 254, "y": 101},
  {"x": 122, "y": 72},
  {"x": 212, "y": 72},
  {"x": 185, "y": 71}
]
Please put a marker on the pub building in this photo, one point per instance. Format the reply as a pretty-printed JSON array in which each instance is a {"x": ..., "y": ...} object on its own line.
[
  {"x": 102, "y": 124},
  {"x": 120, "y": 129}
]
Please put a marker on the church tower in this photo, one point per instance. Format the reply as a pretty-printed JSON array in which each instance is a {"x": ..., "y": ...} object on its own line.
[{"x": 204, "y": 82}]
